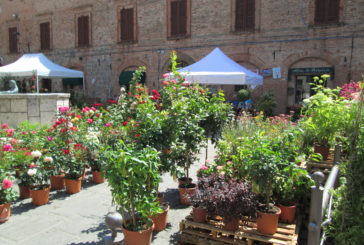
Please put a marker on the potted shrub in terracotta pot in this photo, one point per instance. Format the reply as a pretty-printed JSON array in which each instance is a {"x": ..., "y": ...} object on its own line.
[
  {"x": 40, "y": 187},
  {"x": 7, "y": 194},
  {"x": 263, "y": 168},
  {"x": 199, "y": 202},
  {"x": 133, "y": 177},
  {"x": 76, "y": 155}
]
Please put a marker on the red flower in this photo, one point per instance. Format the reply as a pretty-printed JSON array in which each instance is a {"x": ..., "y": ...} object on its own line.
[
  {"x": 28, "y": 153},
  {"x": 7, "y": 147},
  {"x": 165, "y": 83},
  {"x": 79, "y": 116},
  {"x": 97, "y": 114},
  {"x": 77, "y": 146},
  {"x": 66, "y": 151},
  {"x": 140, "y": 90},
  {"x": 111, "y": 101},
  {"x": 97, "y": 105},
  {"x": 137, "y": 135},
  {"x": 125, "y": 123},
  {"x": 86, "y": 109},
  {"x": 108, "y": 124},
  {"x": 63, "y": 130},
  {"x": 33, "y": 165},
  {"x": 136, "y": 124},
  {"x": 89, "y": 121},
  {"x": 58, "y": 122},
  {"x": 7, "y": 184},
  {"x": 4, "y": 125},
  {"x": 24, "y": 133},
  {"x": 33, "y": 132}
]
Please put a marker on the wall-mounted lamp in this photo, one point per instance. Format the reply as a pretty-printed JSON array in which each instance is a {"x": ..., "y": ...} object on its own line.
[{"x": 14, "y": 15}]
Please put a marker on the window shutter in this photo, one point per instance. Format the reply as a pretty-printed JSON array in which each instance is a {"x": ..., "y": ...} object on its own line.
[
  {"x": 86, "y": 31},
  {"x": 83, "y": 31},
  {"x": 80, "y": 31},
  {"x": 127, "y": 24},
  {"x": 13, "y": 40},
  {"x": 174, "y": 18},
  {"x": 333, "y": 11},
  {"x": 45, "y": 36},
  {"x": 244, "y": 15},
  {"x": 250, "y": 15},
  {"x": 182, "y": 30}
]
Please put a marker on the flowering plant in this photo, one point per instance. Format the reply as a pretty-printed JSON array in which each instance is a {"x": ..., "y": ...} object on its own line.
[
  {"x": 38, "y": 170},
  {"x": 7, "y": 193},
  {"x": 350, "y": 90}
]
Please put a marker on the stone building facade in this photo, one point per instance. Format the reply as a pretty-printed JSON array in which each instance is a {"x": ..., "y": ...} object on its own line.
[{"x": 299, "y": 38}]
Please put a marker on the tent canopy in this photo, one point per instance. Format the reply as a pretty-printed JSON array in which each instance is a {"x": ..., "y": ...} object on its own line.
[
  {"x": 218, "y": 68},
  {"x": 38, "y": 65}
]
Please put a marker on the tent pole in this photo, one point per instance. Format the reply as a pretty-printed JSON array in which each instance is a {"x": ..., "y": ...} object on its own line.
[
  {"x": 37, "y": 84},
  {"x": 83, "y": 83}
]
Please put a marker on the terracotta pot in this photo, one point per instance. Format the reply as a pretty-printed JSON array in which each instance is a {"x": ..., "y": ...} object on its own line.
[
  {"x": 57, "y": 182},
  {"x": 40, "y": 197},
  {"x": 323, "y": 150},
  {"x": 24, "y": 192},
  {"x": 185, "y": 193},
  {"x": 167, "y": 151},
  {"x": 73, "y": 186},
  {"x": 137, "y": 237},
  {"x": 199, "y": 215},
  {"x": 183, "y": 180},
  {"x": 160, "y": 220},
  {"x": 288, "y": 213},
  {"x": 5, "y": 212},
  {"x": 267, "y": 223},
  {"x": 232, "y": 225},
  {"x": 97, "y": 177}
]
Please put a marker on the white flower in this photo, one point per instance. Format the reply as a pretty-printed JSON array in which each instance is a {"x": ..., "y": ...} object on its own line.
[
  {"x": 32, "y": 171},
  {"x": 36, "y": 154},
  {"x": 48, "y": 159},
  {"x": 3, "y": 139}
]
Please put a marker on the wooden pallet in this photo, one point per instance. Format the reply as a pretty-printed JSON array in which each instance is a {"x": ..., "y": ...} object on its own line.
[
  {"x": 212, "y": 233},
  {"x": 323, "y": 166}
]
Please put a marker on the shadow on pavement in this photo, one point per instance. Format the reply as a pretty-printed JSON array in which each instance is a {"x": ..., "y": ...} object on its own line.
[
  {"x": 102, "y": 231},
  {"x": 19, "y": 207},
  {"x": 172, "y": 197},
  {"x": 174, "y": 238}
]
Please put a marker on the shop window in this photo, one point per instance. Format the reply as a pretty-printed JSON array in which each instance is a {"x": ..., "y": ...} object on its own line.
[
  {"x": 244, "y": 15},
  {"x": 178, "y": 18},
  {"x": 83, "y": 31},
  {"x": 327, "y": 11},
  {"x": 127, "y": 25},
  {"x": 45, "y": 36},
  {"x": 13, "y": 40}
]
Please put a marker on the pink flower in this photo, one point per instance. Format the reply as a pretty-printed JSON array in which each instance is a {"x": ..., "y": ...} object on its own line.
[
  {"x": 229, "y": 162},
  {"x": 4, "y": 125},
  {"x": 86, "y": 109},
  {"x": 204, "y": 167},
  {"x": 7, "y": 147},
  {"x": 165, "y": 83},
  {"x": 219, "y": 167},
  {"x": 63, "y": 109},
  {"x": 89, "y": 121},
  {"x": 50, "y": 138},
  {"x": 9, "y": 132},
  {"x": 207, "y": 161},
  {"x": 33, "y": 132},
  {"x": 108, "y": 124},
  {"x": 7, "y": 184},
  {"x": 24, "y": 133},
  {"x": 125, "y": 123},
  {"x": 165, "y": 75}
]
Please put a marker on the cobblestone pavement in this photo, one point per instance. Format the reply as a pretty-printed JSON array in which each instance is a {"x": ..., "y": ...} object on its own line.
[{"x": 79, "y": 218}]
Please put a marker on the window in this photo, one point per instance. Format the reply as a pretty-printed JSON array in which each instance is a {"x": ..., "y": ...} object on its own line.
[
  {"x": 244, "y": 15},
  {"x": 45, "y": 36},
  {"x": 327, "y": 11},
  {"x": 178, "y": 18},
  {"x": 83, "y": 31},
  {"x": 13, "y": 40},
  {"x": 127, "y": 25}
]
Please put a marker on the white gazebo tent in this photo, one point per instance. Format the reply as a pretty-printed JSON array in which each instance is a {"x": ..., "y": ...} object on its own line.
[
  {"x": 218, "y": 69},
  {"x": 39, "y": 66}
]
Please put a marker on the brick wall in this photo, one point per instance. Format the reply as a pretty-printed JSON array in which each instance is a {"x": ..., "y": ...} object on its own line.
[{"x": 285, "y": 36}]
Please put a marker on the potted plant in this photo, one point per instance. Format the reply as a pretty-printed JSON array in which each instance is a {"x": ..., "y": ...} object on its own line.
[
  {"x": 39, "y": 190},
  {"x": 133, "y": 177},
  {"x": 231, "y": 199},
  {"x": 199, "y": 202},
  {"x": 75, "y": 155},
  {"x": 326, "y": 114},
  {"x": 7, "y": 194},
  {"x": 263, "y": 168}
]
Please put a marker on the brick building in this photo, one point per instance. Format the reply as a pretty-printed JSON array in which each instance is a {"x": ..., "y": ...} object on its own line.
[{"x": 108, "y": 38}]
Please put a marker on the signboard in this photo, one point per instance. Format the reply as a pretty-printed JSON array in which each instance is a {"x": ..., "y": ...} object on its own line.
[
  {"x": 312, "y": 71},
  {"x": 267, "y": 72}
]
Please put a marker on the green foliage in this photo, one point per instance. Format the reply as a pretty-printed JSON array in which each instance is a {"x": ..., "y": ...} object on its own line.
[
  {"x": 348, "y": 215},
  {"x": 266, "y": 103},
  {"x": 133, "y": 177},
  {"x": 243, "y": 95}
]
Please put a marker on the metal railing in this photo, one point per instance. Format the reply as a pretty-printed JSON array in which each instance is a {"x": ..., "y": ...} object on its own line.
[{"x": 321, "y": 199}]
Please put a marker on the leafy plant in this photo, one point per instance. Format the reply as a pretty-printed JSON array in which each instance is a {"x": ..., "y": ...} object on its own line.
[
  {"x": 133, "y": 177},
  {"x": 266, "y": 103},
  {"x": 243, "y": 95}
]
